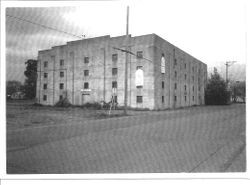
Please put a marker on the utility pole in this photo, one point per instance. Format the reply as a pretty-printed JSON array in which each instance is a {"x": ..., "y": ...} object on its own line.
[
  {"x": 126, "y": 65},
  {"x": 228, "y": 64}
]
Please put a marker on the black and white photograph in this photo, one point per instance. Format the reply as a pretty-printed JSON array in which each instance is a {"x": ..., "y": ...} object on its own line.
[{"x": 124, "y": 87}]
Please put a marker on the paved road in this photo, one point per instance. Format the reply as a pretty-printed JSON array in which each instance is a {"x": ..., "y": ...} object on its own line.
[{"x": 198, "y": 139}]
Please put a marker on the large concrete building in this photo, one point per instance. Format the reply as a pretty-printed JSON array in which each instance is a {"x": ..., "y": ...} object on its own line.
[{"x": 160, "y": 75}]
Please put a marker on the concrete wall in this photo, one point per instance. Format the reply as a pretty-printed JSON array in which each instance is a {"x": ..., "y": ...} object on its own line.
[{"x": 194, "y": 70}]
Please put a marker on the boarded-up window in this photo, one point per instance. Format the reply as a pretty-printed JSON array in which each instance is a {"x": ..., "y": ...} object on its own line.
[
  {"x": 163, "y": 64},
  {"x": 139, "y": 77}
]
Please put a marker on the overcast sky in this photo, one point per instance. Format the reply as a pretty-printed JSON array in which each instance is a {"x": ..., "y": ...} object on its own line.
[{"x": 214, "y": 31}]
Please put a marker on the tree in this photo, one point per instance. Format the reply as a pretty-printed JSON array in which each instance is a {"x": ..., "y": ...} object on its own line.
[
  {"x": 31, "y": 77},
  {"x": 13, "y": 86},
  {"x": 216, "y": 92},
  {"x": 238, "y": 91}
]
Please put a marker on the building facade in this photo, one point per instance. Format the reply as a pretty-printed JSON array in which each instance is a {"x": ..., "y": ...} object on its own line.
[{"x": 160, "y": 75}]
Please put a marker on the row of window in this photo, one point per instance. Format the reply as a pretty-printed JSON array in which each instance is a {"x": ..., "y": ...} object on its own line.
[
  {"x": 139, "y": 99},
  {"x": 175, "y": 86},
  {"x": 175, "y": 98},
  {"x": 139, "y": 55}
]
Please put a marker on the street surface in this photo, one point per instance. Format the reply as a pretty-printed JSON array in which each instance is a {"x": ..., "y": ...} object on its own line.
[{"x": 196, "y": 139}]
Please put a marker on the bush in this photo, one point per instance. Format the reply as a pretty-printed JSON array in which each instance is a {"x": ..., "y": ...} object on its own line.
[
  {"x": 94, "y": 105},
  {"x": 63, "y": 103},
  {"x": 216, "y": 92}
]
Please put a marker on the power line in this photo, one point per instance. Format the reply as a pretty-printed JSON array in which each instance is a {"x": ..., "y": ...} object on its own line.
[{"x": 44, "y": 26}]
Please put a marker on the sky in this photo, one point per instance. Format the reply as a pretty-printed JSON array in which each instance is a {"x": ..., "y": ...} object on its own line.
[{"x": 213, "y": 31}]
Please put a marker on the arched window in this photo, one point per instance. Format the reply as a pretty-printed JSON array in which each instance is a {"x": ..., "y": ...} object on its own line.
[
  {"x": 163, "y": 64},
  {"x": 139, "y": 77}
]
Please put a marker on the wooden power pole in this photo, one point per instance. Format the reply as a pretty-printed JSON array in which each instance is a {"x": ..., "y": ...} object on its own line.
[{"x": 126, "y": 65}]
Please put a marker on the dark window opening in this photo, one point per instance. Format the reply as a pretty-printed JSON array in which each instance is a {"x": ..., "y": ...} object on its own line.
[
  {"x": 185, "y": 76},
  {"x": 185, "y": 66},
  {"x": 86, "y": 60},
  {"x": 175, "y": 61},
  {"x": 175, "y": 86},
  {"x": 175, "y": 98},
  {"x": 139, "y": 99},
  {"x": 175, "y": 74},
  {"x": 61, "y": 74},
  {"x": 139, "y": 55},
  {"x": 44, "y": 97},
  {"x": 193, "y": 88},
  {"x": 185, "y": 98},
  {"x": 86, "y": 85},
  {"x": 114, "y": 84},
  {"x": 193, "y": 98},
  {"x": 138, "y": 67},
  {"x": 61, "y": 86},
  {"x": 114, "y": 71},
  {"x": 162, "y": 99},
  {"x": 44, "y": 86},
  {"x": 86, "y": 72},
  {"x": 45, "y": 75},
  {"x": 114, "y": 57},
  {"x": 61, "y": 62},
  {"x": 162, "y": 85},
  {"x": 115, "y": 99},
  {"x": 185, "y": 87},
  {"x": 45, "y": 64},
  {"x": 61, "y": 97}
]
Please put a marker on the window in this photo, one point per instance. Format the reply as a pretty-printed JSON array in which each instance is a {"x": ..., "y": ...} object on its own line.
[
  {"x": 193, "y": 69},
  {"x": 185, "y": 98},
  {"x": 199, "y": 88},
  {"x": 44, "y": 97},
  {"x": 175, "y": 74},
  {"x": 139, "y": 54},
  {"x": 193, "y": 78},
  {"x": 175, "y": 61},
  {"x": 162, "y": 85},
  {"x": 61, "y": 62},
  {"x": 45, "y": 64},
  {"x": 138, "y": 67},
  {"x": 61, "y": 97},
  {"x": 162, "y": 99},
  {"x": 114, "y": 84},
  {"x": 61, "y": 86},
  {"x": 163, "y": 64},
  {"x": 86, "y": 60},
  {"x": 193, "y": 98},
  {"x": 45, "y": 75},
  {"x": 61, "y": 74},
  {"x": 86, "y": 72},
  {"x": 175, "y": 98},
  {"x": 185, "y": 87},
  {"x": 114, "y": 57},
  {"x": 45, "y": 86},
  {"x": 86, "y": 85},
  {"x": 139, "y": 99},
  {"x": 175, "y": 85},
  {"x": 114, "y": 71},
  {"x": 115, "y": 99},
  {"x": 193, "y": 88},
  {"x": 185, "y": 66},
  {"x": 185, "y": 76}
]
